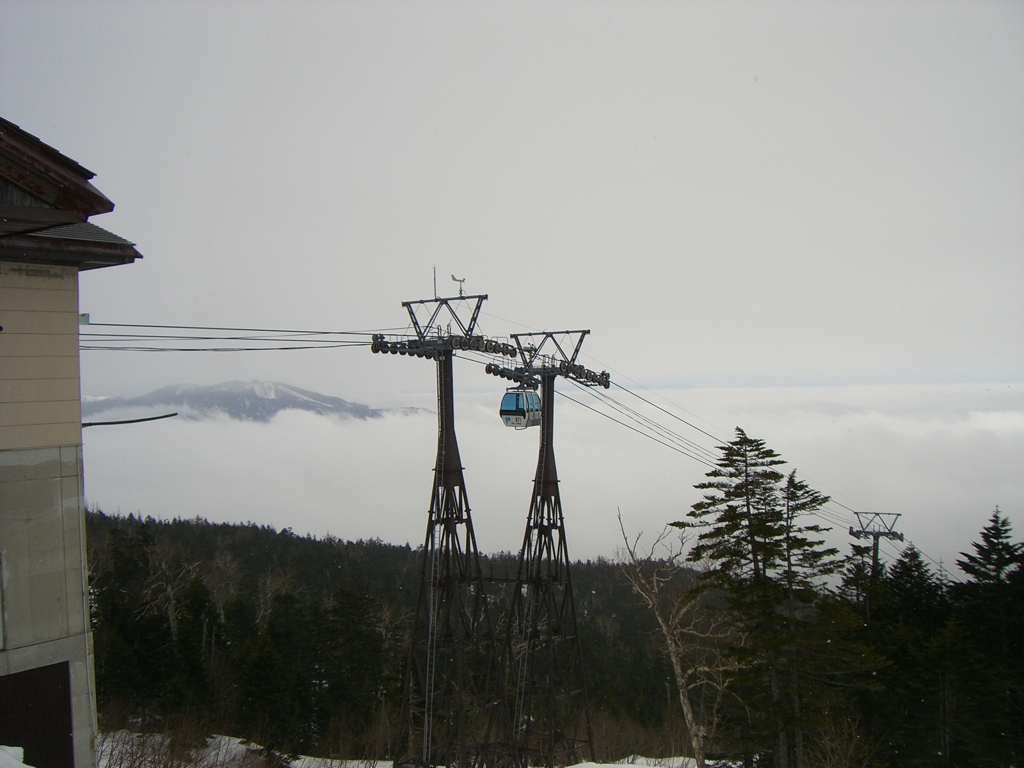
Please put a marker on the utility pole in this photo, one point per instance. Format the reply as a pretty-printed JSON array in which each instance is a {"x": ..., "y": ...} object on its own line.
[
  {"x": 543, "y": 658},
  {"x": 454, "y": 709}
]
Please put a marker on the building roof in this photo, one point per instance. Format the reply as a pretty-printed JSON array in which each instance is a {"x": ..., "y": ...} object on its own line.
[
  {"x": 45, "y": 201},
  {"x": 84, "y": 246},
  {"x": 86, "y": 232}
]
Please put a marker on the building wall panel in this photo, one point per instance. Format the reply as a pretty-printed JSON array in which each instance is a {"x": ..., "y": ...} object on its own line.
[
  {"x": 73, "y": 493},
  {"x": 14, "y": 345},
  {"x": 41, "y": 413},
  {"x": 49, "y": 619},
  {"x": 40, "y": 368},
  {"x": 36, "y": 435},
  {"x": 42, "y": 538},
  {"x": 39, "y": 390},
  {"x": 53, "y": 298},
  {"x": 29, "y": 465},
  {"x": 27, "y": 500},
  {"x": 36, "y": 277},
  {"x": 31, "y": 322},
  {"x": 35, "y": 595}
]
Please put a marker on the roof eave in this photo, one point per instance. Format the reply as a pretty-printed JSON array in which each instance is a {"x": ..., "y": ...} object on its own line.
[
  {"x": 44, "y": 172},
  {"x": 66, "y": 253}
]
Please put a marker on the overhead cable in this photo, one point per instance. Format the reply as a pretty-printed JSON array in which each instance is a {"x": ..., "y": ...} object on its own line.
[
  {"x": 646, "y": 422},
  {"x": 269, "y": 339},
  {"x": 290, "y": 339},
  {"x": 649, "y": 436},
  {"x": 246, "y": 330},
  {"x": 674, "y": 416},
  {"x": 221, "y": 349}
]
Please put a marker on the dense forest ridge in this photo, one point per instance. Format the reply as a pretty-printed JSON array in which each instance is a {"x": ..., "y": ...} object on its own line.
[
  {"x": 241, "y": 400},
  {"x": 298, "y": 643}
]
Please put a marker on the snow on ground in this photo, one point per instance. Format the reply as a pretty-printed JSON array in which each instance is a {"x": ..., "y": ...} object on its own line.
[
  {"x": 123, "y": 749},
  {"x": 12, "y": 757}
]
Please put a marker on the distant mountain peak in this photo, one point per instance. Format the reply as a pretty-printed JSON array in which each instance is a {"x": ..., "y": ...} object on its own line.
[{"x": 242, "y": 400}]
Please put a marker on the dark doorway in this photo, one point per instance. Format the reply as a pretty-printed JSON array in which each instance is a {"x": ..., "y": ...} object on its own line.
[{"x": 35, "y": 714}]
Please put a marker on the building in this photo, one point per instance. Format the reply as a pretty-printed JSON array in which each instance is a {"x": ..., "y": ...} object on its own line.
[{"x": 47, "y": 686}]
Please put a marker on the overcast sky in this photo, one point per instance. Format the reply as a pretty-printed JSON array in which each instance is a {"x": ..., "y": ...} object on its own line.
[{"x": 806, "y": 219}]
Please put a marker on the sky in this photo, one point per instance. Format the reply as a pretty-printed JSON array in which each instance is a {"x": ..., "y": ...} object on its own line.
[{"x": 800, "y": 218}]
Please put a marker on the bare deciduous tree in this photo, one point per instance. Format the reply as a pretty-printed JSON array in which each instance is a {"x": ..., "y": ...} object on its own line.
[
  {"x": 272, "y": 584},
  {"x": 168, "y": 578},
  {"x": 222, "y": 577},
  {"x": 839, "y": 743},
  {"x": 696, "y": 632}
]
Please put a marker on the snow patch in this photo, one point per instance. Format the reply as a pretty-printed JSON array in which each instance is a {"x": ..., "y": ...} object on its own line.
[
  {"x": 121, "y": 749},
  {"x": 12, "y": 757},
  {"x": 264, "y": 389}
]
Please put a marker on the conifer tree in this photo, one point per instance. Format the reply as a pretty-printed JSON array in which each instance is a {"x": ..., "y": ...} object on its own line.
[
  {"x": 990, "y": 568},
  {"x": 807, "y": 560},
  {"x": 910, "y": 627},
  {"x": 990, "y": 607},
  {"x": 771, "y": 566},
  {"x": 995, "y": 556},
  {"x": 741, "y": 514}
]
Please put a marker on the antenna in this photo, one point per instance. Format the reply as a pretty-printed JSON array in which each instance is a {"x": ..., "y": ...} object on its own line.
[
  {"x": 462, "y": 284},
  {"x": 435, "y": 281}
]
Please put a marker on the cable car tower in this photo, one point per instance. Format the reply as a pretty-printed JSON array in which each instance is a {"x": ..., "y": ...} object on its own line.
[
  {"x": 543, "y": 659},
  {"x": 454, "y": 711}
]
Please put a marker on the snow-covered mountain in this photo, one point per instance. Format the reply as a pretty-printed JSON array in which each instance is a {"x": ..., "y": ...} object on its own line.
[{"x": 243, "y": 400}]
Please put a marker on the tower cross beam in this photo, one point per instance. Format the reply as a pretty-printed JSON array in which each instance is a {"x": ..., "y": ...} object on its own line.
[
  {"x": 432, "y": 326},
  {"x": 560, "y": 340},
  {"x": 875, "y": 526},
  {"x": 558, "y": 359}
]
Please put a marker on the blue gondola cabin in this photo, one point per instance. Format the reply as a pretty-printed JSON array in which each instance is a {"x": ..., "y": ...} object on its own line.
[{"x": 520, "y": 409}]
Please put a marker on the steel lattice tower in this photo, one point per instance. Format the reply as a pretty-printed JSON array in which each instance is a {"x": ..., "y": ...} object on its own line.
[
  {"x": 454, "y": 710},
  {"x": 544, "y": 662}
]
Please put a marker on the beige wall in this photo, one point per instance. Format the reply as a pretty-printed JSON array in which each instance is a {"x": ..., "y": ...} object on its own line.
[
  {"x": 40, "y": 403},
  {"x": 44, "y": 617}
]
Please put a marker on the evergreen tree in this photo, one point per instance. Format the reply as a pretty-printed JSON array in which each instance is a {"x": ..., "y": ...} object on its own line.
[
  {"x": 807, "y": 560},
  {"x": 135, "y": 650},
  {"x": 199, "y": 638},
  {"x": 349, "y": 661},
  {"x": 911, "y": 627},
  {"x": 916, "y": 598},
  {"x": 991, "y": 569},
  {"x": 772, "y": 566},
  {"x": 990, "y": 606},
  {"x": 741, "y": 503}
]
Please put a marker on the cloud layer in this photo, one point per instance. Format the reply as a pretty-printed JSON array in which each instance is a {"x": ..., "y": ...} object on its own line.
[{"x": 941, "y": 456}]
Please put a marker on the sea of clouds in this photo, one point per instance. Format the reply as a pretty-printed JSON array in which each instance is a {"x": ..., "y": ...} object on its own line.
[{"x": 943, "y": 456}]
